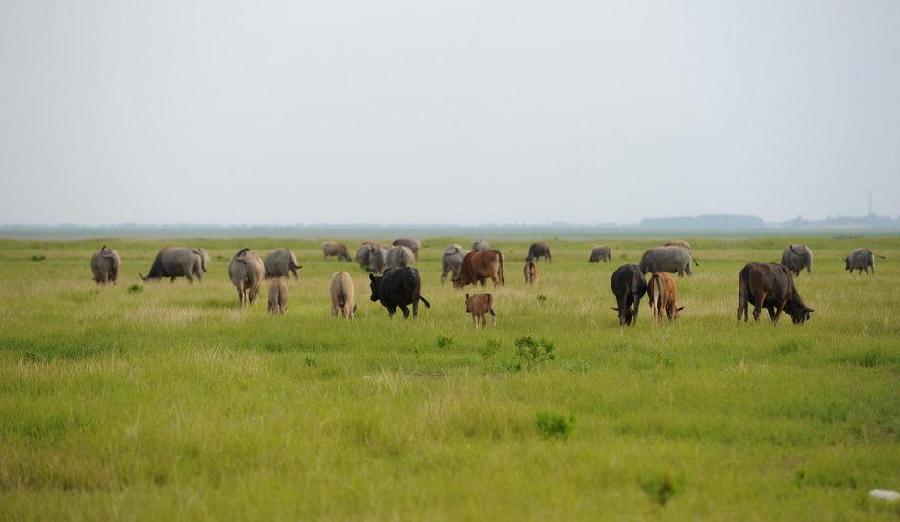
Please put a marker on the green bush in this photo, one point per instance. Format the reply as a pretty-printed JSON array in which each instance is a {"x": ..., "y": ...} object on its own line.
[
  {"x": 554, "y": 425},
  {"x": 38, "y": 257},
  {"x": 444, "y": 341},
  {"x": 534, "y": 351}
]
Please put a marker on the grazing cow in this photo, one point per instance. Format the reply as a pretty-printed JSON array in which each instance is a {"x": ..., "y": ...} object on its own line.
[
  {"x": 363, "y": 254},
  {"x": 663, "y": 294},
  {"x": 280, "y": 263},
  {"x": 178, "y": 262},
  {"x": 246, "y": 272},
  {"x": 481, "y": 244},
  {"x": 452, "y": 262},
  {"x": 861, "y": 259},
  {"x": 478, "y": 305},
  {"x": 412, "y": 244},
  {"x": 335, "y": 249},
  {"x": 530, "y": 272},
  {"x": 679, "y": 243},
  {"x": 600, "y": 253},
  {"x": 770, "y": 286},
  {"x": 477, "y": 267},
  {"x": 796, "y": 258},
  {"x": 105, "y": 266},
  {"x": 399, "y": 256},
  {"x": 628, "y": 285},
  {"x": 343, "y": 295},
  {"x": 398, "y": 287},
  {"x": 667, "y": 259},
  {"x": 539, "y": 250},
  {"x": 277, "y": 296}
]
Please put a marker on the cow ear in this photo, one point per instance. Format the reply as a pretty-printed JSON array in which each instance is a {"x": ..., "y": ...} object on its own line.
[
  {"x": 467, "y": 296},
  {"x": 809, "y": 310},
  {"x": 680, "y": 308},
  {"x": 371, "y": 277}
]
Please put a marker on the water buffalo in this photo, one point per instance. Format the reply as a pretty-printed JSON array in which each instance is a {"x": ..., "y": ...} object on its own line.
[
  {"x": 600, "y": 253},
  {"x": 277, "y": 304},
  {"x": 480, "y": 305},
  {"x": 679, "y": 243},
  {"x": 530, "y": 272},
  {"x": 663, "y": 294},
  {"x": 861, "y": 259},
  {"x": 796, "y": 258},
  {"x": 539, "y": 250},
  {"x": 335, "y": 249},
  {"x": 481, "y": 244},
  {"x": 399, "y": 256},
  {"x": 246, "y": 272},
  {"x": 451, "y": 262},
  {"x": 770, "y": 286},
  {"x": 178, "y": 262},
  {"x": 363, "y": 254},
  {"x": 667, "y": 259},
  {"x": 280, "y": 263},
  {"x": 398, "y": 287},
  {"x": 628, "y": 285},
  {"x": 343, "y": 295},
  {"x": 105, "y": 266},
  {"x": 477, "y": 267},
  {"x": 410, "y": 243}
]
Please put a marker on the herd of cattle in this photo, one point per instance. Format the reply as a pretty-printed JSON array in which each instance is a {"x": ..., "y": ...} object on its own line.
[{"x": 397, "y": 285}]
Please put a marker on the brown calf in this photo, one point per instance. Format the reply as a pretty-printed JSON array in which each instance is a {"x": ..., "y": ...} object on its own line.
[
  {"x": 530, "y": 272},
  {"x": 277, "y": 296},
  {"x": 662, "y": 294},
  {"x": 478, "y": 305}
]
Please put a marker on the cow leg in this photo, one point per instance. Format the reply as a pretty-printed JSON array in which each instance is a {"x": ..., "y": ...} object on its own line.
[
  {"x": 778, "y": 311},
  {"x": 415, "y": 307},
  {"x": 475, "y": 320},
  {"x": 392, "y": 309},
  {"x": 758, "y": 305},
  {"x": 405, "y": 311}
]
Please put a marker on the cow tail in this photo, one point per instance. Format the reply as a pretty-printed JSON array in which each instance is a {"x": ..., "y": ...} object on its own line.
[
  {"x": 500, "y": 272},
  {"x": 655, "y": 291},
  {"x": 424, "y": 301}
]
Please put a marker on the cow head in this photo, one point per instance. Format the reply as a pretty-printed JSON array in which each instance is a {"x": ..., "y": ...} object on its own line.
[
  {"x": 375, "y": 286},
  {"x": 458, "y": 282},
  {"x": 467, "y": 304},
  {"x": 846, "y": 264},
  {"x": 626, "y": 316},
  {"x": 798, "y": 311}
]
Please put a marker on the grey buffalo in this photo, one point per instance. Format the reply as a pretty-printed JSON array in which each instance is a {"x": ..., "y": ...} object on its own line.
[
  {"x": 452, "y": 262},
  {"x": 105, "y": 266},
  {"x": 679, "y": 243},
  {"x": 600, "y": 253},
  {"x": 796, "y": 258},
  {"x": 399, "y": 256},
  {"x": 861, "y": 259},
  {"x": 178, "y": 262},
  {"x": 413, "y": 244},
  {"x": 335, "y": 249},
  {"x": 246, "y": 272},
  {"x": 673, "y": 259},
  {"x": 539, "y": 250},
  {"x": 481, "y": 244},
  {"x": 280, "y": 263}
]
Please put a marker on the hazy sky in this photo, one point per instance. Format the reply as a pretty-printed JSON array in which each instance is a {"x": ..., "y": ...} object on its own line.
[{"x": 446, "y": 112}]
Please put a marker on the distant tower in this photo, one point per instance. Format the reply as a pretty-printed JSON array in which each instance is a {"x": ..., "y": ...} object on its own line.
[{"x": 870, "y": 204}]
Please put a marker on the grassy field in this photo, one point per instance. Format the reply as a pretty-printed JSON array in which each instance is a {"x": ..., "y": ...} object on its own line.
[{"x": 165, "y": 401}]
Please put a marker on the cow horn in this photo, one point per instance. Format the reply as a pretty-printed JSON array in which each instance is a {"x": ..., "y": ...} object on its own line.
[
  {"x": 809, "y": 310},
  {"x": 614, "y": 309}
]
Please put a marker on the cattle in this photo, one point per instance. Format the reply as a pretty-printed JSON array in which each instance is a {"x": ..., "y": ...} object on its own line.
[
  {"x": 277, "y": 304},
  {"x": 530, "y": 271},
  {"x": 105, "y": 266},
  {"x": 280, "y": 263},
  {"x": 628, "y": 285},
  {"x": 861, "y": 259},
  {"x": 481, "y": 244},
  {"x": 343, "y": 295},
  {"x": 399, "y": 256},
  {"x": 398, "y": 288},
  {"x": 667, "y": 259},
  {"x": 246, "y": 272},
  {"x": 451, "y": 262},
  {"x": 663, "y": 294},
  {"x": 363, "y": 254},
  {"x": 410, "y": 243},
  {"x": 335, "y": 249},
  {"x": 600, "y": 253},
  {"x": 770, "y": 286},
  {"x": 479, "y": 305},
  {"x": 477, "y": 267},
  {"x": 539, "y": 250},
  {"x": 679, "y": 243},
  {"x": 796, "y": 258},
  {"x": 178, "y": 262}
]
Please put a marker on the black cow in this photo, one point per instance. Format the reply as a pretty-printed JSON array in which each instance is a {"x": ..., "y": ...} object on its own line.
[
  {"x": 398, "y": 287},
  {"x": 628, "y": 285},
  {"x": 539, "y": 250},
  {"x": 770, "y": 286}
]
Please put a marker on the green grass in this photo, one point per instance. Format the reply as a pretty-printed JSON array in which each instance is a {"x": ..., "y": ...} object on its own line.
[{"x": 159, "y": 401}]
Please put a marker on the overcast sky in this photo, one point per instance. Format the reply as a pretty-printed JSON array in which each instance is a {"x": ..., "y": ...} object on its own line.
[{"x": 446, "y": 112}]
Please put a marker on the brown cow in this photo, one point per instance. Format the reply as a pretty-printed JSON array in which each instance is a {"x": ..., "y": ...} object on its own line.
[
  {"x": 662, "y": 294},
  {"x": 478, "y": 266},
  {"x": 770, "y": 286},
  {"x": 277, "y": 296},
  {"x": 530, "y": 271},
  {"x": 478, "y": 305}
]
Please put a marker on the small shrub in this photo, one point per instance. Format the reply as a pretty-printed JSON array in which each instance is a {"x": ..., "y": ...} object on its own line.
[
  {"x": 135, "y": 289},
  {"x": 444, "y": 342},
  {"x": 512, "y": 366},
  {"x": 34, "y": 357},
  {"x": 869, "y": 359},
  {"x": 661, "y": 488},
  {"x": 534, "y": 351},
  {"x": 554, "y": 425},
  {"x": 38, "y": 257},
  {"x": 491, "y": 347},
  {"x": 310, "y": 360},
  {"x": 541, "y": 299}
]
